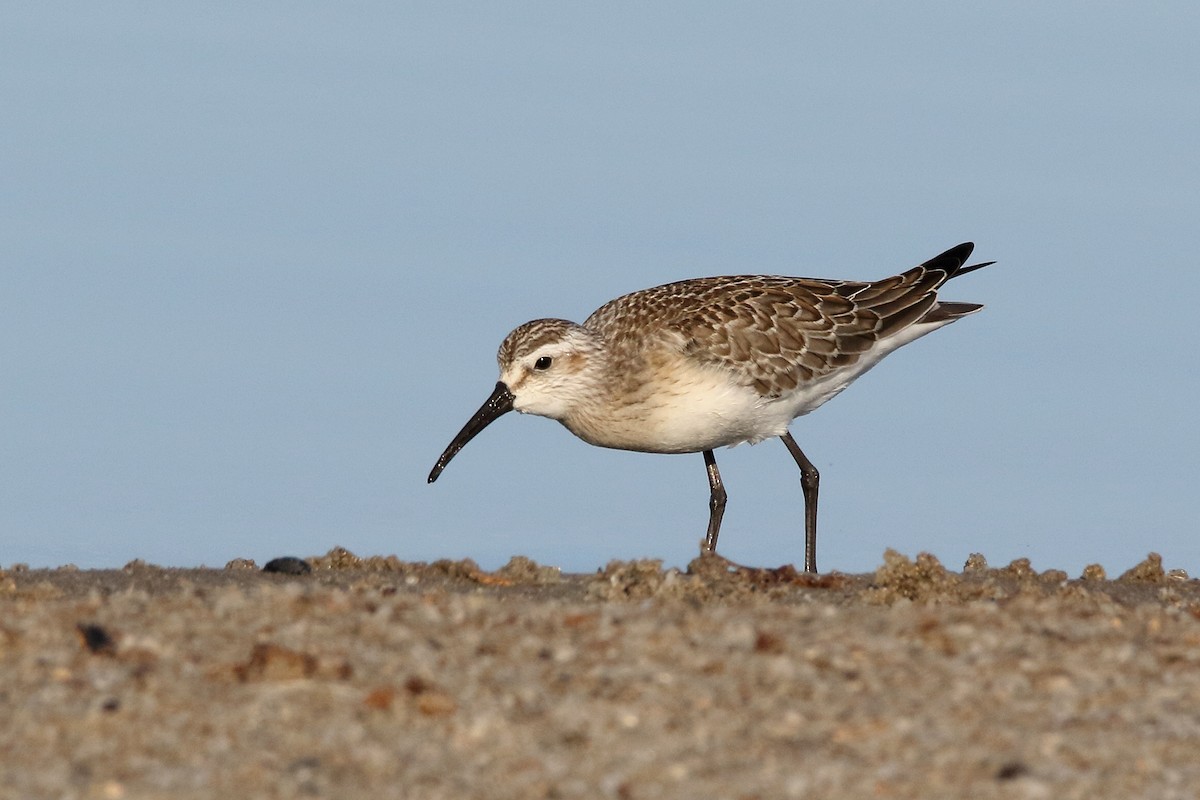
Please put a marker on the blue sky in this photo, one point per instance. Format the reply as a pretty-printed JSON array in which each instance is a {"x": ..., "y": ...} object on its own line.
[{"x": 257, "y": 261}]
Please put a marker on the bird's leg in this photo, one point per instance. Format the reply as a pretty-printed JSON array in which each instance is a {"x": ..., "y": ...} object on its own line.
[
  {"x": 809, "y": 480},
  {"x": 716, "y": 504}
]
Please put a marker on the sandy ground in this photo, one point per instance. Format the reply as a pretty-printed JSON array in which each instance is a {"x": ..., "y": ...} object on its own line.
[{"x": 375, "y": 678}]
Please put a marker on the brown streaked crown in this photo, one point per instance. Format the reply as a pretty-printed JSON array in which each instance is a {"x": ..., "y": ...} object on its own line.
[{"x": 526, "y": 339}]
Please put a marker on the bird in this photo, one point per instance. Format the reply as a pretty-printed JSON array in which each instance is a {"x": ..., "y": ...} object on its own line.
[{"x": 704, "y": 363}]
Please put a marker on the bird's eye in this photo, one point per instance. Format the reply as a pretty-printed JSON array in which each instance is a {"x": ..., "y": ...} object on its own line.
[{"x": 543, "y": 363}]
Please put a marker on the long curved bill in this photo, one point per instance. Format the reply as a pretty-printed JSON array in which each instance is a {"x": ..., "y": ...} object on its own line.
[{"x": 500, "y": 403}]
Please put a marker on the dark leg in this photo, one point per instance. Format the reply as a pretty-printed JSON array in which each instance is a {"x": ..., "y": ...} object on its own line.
[
  {"x": 716, "y": 503},
  {"x": 809, "y": 480}
]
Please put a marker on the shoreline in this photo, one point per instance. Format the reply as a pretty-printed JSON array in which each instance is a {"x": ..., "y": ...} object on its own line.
[{"x": 381, "y": 678}]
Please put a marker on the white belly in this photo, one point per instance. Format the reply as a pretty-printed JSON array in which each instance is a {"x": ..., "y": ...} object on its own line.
[{"x": 688, "y": 407}]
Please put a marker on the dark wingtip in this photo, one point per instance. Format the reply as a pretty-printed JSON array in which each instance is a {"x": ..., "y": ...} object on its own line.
[
  {"x": 959, "y": 253},
  {"x": 973, "y": 267},
  {"x": 951, "y": 262}
]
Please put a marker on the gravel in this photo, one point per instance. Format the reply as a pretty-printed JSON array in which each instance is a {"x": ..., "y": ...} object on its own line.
[{"x": 373, "y": 677}]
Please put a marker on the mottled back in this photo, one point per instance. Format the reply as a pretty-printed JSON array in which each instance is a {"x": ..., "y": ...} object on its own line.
[{"x": 776, "y": 333}]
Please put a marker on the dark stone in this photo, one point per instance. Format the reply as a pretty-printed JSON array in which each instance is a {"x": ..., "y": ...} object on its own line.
[{"x": 288, "y": 565}]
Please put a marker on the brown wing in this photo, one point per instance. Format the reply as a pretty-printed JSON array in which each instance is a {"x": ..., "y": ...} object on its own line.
[
  {"x": 776, "y": 333},
  {"x": 786, "y": 334}
]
